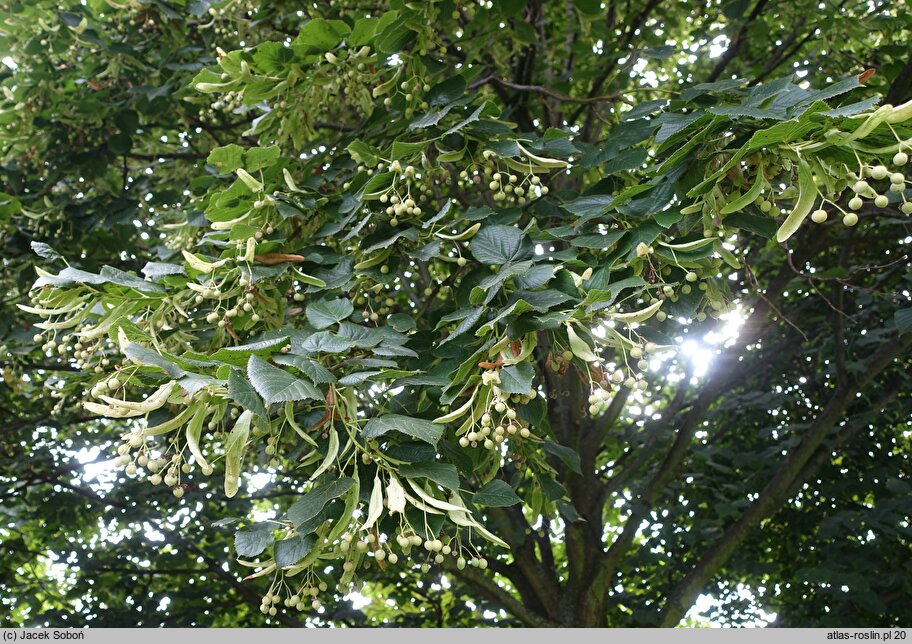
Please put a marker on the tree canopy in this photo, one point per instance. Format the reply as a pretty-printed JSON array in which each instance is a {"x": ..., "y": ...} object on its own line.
[{"x": 456, "y": 313}]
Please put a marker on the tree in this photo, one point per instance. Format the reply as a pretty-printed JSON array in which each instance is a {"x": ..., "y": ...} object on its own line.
[{"x": 447, "y": 312}]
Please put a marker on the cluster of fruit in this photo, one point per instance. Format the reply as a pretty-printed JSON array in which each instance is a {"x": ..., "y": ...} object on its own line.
[
  {"x": 135, "y": 453},
  {"x": 230, "y": 102},
  {"x": 864, "y": 190},
  {"x": 502, "y": 180},
  {"x": 411, "y": 92},
  {"x": 357, "y": 553},
  {"x": 436, "y": 550},
  {"x": 409, "y": 187},
  {"x": 510, "y": 187},
  {"x": 634, "y": 377},
  {"x": 304, "y": 596},
  {"x": 489, "y": 433},
  {"x": 402, "y": 204}
]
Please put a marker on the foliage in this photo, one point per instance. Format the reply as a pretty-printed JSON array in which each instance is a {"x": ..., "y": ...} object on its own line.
[{"x": 445, "y": 310}]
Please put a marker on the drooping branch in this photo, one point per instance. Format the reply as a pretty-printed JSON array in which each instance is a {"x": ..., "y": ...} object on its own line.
[{"x": 727, "y": 370}]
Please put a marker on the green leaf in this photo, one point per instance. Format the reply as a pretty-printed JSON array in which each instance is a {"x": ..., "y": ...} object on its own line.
[
  {"x": 108, "y": 275},
  {"x": 120, "y": 143},
  {"x": 661, "y": 53},
  {"x": 626, "y": 160},
  {"x": 500, "y": 245},
  {"x": 193, "y": 382},
  {"x": 432, "y": 117},
  {"x": 377, "y": 185},
  {"x": 598, "y": 241},
  {"x": 401, "y": 322},
  {"x": 363, "y": 32},
  {"x": 290, "y": 551},
  {"x": 591, "y": 7},
  {"x": 469, "y": 119},
  {"x": 43, "y": 250},
  {"x": 277, "y": 385},
  {"x": 241, "y": 392},
  {"x": 467, "y": 323},
  {"x": 552, "y": 489},
  {"x": 672, "y": 124},
  {"x": 322, "y": 35},
  {"x": 157, "y": 270},
  {"x": 122, "y": 327},
  {"x": 718, "y": 87},
  {"x": 446, "y": 91},
  {"x": 780, "y": 133},
  {"x": 516, "y": 308},
  {"x": 668, "y": 218},
  {"x": 9, "y": 205},
  {"x": 363, "y": 153},
  {"x": 239, "y": 355},
  {"x": 589, "y": 206},
  {"x": 316, "y": 372},
  {"x": 536, "y": 276},
  {"x": 251, "y": 540},
  {"x": 227, "y": 158},
  {"x": 411, "y": 451},
  {"x": 517, "y": 379},
  {"x": 112, "y": 275},
  {"x": 608, "y": 295},
  {"x": 496, "y": 494},
  {"x": 837, "y": 88},
  {"x": 853, "y": 108},
  {"x": 394, "y": 37},
  {"x": 423, "y": 430},
  {"x": 443, "y": 474},
  {"x": 903, "y": 319},
  {"x": 310, "y": 505},
  {"x": 570, "y": 458},
  {"x": 260, "y": 158},
  {"x": 152, "y": 358},
  {"x": 759, "y": 224},
  {"x": 328, "y": 312}
]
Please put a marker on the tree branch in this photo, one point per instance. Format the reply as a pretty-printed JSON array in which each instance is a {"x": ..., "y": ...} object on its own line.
[
  {"x": 526, "y": 572},
  {"x": 538, "y": 89},
  {"x": 901, "y": 87},
  {"x": 31, "y": 366},
  {"x": 727, "y": 370},
  {"x": 190, "y": 156},
  {"x": 736, "y": 42},
  {"x": 489, "y": 588},
  {"x": 777, "y": 488},
  {"x": 597, "y": 83}
]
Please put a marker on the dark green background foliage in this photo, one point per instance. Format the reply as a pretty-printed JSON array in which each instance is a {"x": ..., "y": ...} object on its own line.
[{"x": 320, "y": 331}]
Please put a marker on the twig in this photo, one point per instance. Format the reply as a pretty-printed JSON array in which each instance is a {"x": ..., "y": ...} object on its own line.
[
  {"x": 538, "y": 89},
  {"x": 813, "y": 286},
  {"x": 168, "y": 155},
  {"x": 756, "y": 285}
]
